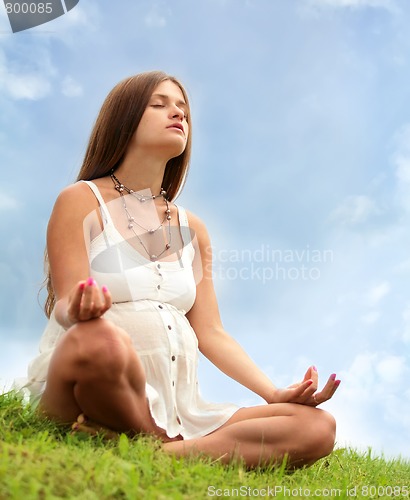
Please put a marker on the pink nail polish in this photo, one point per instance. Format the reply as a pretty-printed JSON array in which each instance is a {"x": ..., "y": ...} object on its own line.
[
  {"x": 333, "y": 376},
  {"x": 104, "y": 289},
  {"x": 82, "y": 286},
  {"x": 314, "y": 368},
  {"x": 90, "y": 282}
]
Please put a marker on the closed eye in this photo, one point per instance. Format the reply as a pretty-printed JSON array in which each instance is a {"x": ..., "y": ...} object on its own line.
[{"x": 163, "y": 106}]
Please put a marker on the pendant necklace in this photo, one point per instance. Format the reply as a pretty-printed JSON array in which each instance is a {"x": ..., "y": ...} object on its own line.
[{"x": 121, "y": 188}]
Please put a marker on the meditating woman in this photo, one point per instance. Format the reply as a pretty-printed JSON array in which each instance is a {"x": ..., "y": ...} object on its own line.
[{"x": 131, "y": 302}]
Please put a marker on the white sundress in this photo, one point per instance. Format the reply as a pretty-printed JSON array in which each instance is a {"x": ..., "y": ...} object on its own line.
[{"x": 150, "y": 300}]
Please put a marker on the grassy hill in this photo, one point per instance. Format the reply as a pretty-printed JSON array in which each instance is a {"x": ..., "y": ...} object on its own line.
[{"x": 38, "y": 460}]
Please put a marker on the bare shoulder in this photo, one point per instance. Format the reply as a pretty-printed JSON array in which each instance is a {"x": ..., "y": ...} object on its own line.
[
  {"x": 76, "y": 199},
  {"x": 200, "y": 234},
  {"x": 74, "y": 205},
  {"x": 198, "y": 226}
]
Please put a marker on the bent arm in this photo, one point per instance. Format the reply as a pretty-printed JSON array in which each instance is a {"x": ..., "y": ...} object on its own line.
[
  {"x": 67, "y": 248},
  {"x": 229, "y": 356},
  {"x": 214, "y": 342},
  {"x": 225, "y": 353}
]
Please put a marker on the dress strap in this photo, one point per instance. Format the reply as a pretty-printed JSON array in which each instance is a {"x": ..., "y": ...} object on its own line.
[{"x": 105, "y": 213}]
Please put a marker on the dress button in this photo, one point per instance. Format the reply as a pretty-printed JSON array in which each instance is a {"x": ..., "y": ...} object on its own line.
[
  {"x": 160, "y": 307},
  {"x": 173, "y": 383},
  {"x": 158, "y": 287},
  {"x": 173, "y": 358},
  {"x": 169, "y": 327},
  {"x": 158, "y": 266}
]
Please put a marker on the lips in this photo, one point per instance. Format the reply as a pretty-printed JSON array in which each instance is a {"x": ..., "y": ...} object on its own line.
[{"x": 178, "y": 126}]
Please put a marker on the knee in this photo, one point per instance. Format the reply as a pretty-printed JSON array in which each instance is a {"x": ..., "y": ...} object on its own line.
[
  {"x": 98, "y": 349},
  {"x": 325, "y": 434}
]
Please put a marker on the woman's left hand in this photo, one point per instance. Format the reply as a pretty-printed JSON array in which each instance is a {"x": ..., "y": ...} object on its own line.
[{"x": 306, "y": 392}]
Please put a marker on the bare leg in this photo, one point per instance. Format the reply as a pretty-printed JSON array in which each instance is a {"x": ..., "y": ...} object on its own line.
[
  {"x": 266, "y": 434},
  {"x": 95, "y": 370}
]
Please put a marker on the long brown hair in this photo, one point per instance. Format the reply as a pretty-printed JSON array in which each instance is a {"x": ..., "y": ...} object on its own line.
[{"x": 113, "y": 130}]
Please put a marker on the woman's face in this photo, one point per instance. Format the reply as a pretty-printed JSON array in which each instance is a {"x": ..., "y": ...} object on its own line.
[{"x": 164, "y": 128}]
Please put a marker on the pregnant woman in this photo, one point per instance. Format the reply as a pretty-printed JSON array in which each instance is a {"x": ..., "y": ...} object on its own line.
[{"x": 131, "y": 301}]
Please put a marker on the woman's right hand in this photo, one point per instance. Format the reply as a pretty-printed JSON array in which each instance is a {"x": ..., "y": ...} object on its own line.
[{"x": 87, "y": 301}]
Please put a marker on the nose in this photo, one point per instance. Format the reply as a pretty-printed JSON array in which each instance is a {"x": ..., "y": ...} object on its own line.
[{"x": 177, "y": 112}]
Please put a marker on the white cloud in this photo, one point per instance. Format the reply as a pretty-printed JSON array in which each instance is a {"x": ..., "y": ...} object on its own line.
[
  {"x": 31, "y": 77},
  {"x": 370, "y": 318},
  {"x": 18, "y": 83},
  {"x": 403, "y": 169},
  {"x": 375, "y": 384},
  {"x": 15, "y": 357},
  {"x": 7, "y": 202},
  {"x": 83, "y": 21},
  {"x": 155, "y": 20},
  {"x": 402, "y": 140},
  {"x": 402, "y": 267},
  {"x": 376, "y": 294},
  {"x": 403, "y": 182},
  {"x": 24, "y": 86},
  {"x": 398, "y": 412},
  {"x": 78, "y": 17},
  {"x": 355, "y": 210},
  {"x": 4, "y": 23},
  {"x": 391, "y": 370},
  {"x": 71, "y": 88}
]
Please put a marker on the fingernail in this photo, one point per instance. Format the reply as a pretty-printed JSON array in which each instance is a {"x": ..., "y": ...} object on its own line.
[
  {"x": 90, "y": 282},
  {"x": 314, "y": 368},
  {"x": 104, "y": 289},
  {"x": 310, "y": 382},
  {"x": 82, "y": 286},
  {"x": 333, "y": 376},
  {"x": 337, "y": 383}
]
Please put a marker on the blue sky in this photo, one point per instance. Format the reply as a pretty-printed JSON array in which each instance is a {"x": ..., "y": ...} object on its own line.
[{"x": 300, "y": 169}]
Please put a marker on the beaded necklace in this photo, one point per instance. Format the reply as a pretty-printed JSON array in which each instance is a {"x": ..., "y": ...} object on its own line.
[{"x": 121, "y": 188}]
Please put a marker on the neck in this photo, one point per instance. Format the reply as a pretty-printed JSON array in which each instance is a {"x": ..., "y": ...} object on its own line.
[{"x": 139, "y": 172}]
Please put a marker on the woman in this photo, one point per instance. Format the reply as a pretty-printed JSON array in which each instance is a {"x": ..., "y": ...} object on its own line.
[{"x": 131, "y": 300}]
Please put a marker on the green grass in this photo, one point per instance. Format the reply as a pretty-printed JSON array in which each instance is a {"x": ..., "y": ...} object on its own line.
[{"x": 40, "y": 460}]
